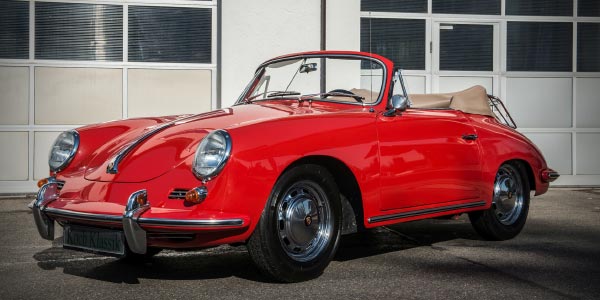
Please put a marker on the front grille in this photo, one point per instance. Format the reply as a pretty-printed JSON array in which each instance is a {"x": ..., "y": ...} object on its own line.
[
  {"x": 60, "y": 184},
  {"x": 178, "y": 194}
]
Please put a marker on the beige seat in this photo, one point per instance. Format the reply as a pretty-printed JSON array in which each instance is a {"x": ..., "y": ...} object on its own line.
[{"x": 473, "y": 100}]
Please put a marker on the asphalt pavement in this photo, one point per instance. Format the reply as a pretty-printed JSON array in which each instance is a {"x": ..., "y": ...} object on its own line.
[{"x": 557, "y": 256}]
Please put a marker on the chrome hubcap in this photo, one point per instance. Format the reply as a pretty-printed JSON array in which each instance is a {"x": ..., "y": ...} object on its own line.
[
  {"x": 508, "y": 195},
  {"x": 304, "y": 221}
]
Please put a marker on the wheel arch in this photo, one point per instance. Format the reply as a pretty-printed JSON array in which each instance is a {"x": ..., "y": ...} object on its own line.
[{"x": 350, "y": 193}]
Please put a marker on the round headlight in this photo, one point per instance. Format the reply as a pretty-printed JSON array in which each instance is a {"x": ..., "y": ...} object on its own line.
[
  {"x": 212, "y": 154},
  {"x": 63, "y": 150}
]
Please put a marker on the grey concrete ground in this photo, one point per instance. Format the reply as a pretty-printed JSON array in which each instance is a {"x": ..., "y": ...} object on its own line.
[{"x": 557, "y": 256}]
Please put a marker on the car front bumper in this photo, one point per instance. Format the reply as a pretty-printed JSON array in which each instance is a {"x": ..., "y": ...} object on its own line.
[{"x": 132, "y": 220}]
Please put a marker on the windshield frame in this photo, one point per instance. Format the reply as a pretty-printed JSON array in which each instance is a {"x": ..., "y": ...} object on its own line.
[{"x": 262, "y": 67}]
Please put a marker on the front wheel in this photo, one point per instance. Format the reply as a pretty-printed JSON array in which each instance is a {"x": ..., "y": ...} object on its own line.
[
  {"x": 510, "y": 205},
  {"x": 298, "y": 232}
]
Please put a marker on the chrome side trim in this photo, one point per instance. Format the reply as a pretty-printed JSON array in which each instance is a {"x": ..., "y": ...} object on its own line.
[
  {"x": 191, "y": 223},
  {"x": 82, "y": 216},
  {"x": 425, "y": 211},
  {"x": 113, "y": 165}
]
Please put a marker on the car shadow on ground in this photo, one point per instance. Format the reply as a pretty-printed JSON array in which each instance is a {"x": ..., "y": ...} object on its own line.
[
  {"x": 228, "y": 261},
  {"x": 402, "y": 237}
]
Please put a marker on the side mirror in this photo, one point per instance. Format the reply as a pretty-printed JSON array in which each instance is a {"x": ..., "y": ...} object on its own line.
[{"x": 399, "y": 103}]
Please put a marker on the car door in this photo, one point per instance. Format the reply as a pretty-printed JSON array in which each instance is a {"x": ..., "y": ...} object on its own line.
[{"x": 427, "y": 157}]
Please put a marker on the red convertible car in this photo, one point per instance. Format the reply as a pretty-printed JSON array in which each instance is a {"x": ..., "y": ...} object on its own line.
[{"x": 318, "y": 145}]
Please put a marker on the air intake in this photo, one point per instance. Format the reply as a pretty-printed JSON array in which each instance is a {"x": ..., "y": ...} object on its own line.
[{"x": 178, "y": 194}]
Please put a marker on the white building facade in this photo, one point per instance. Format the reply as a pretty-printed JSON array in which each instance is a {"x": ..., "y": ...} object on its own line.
[{"x": 68, "y": 63}]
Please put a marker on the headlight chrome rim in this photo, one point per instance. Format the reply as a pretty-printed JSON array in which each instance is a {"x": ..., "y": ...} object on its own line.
[
  {"x": 227, "y": 153},
  {"x": 72, "y": 152}
]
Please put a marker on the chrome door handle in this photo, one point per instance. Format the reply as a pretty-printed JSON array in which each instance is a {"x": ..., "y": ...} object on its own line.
[{"x": 469, "y": 137}]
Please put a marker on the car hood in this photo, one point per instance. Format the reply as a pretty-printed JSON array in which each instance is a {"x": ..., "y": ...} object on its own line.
[{"x": 161, "y": 144}]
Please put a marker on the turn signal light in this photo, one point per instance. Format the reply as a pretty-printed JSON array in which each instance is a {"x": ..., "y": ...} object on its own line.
[
  {"x": 141, "y": 199},
  {"x": 42, "y": 182},
  {"x": 196, "y": 195}
]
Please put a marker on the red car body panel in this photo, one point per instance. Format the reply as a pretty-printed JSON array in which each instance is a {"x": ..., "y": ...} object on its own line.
[{"x": 415, "y": 161}]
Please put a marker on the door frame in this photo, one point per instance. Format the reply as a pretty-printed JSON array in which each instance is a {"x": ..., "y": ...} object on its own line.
[{"x": 436, "y": 73}]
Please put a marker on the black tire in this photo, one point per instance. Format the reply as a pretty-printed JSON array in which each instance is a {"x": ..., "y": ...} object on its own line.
[
  {"x": 499, "y": 222},
  {"x": 276, "y": 246}
]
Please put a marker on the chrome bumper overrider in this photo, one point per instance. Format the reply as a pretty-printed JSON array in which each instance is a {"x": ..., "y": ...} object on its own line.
[{"x": 135, "y": 235}]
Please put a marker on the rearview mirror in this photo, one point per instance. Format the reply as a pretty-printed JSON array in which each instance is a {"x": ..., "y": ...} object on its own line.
[{"x": 307, "y": 68}]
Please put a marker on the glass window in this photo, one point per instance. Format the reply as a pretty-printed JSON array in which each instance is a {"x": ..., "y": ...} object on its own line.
[
  {"x": 170, "y": 34},
  {"x": 411, "y": 6},
  {"x": 472, "y": 7},
  {"x": 401, "y": 40},
  {"x": 77, "y": 31},
  {"x": 588, "y": 8},
  {"x": 533, "y": 46},
  {"x": 320, "y": 78},
  {"x": 465, "y": 47},
  {"x": 14, "y": 29},
  {"x": 588, "y": 47},
  {"x": 539, "y": 7}
]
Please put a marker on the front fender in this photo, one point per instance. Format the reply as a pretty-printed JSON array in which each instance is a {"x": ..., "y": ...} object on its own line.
[{"x": 259, "y": 159}]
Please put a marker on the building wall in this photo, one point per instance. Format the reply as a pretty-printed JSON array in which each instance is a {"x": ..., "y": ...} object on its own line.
[
  {"x": 116, "y": 68},
  {"x": 254, "y": 31},
  {"x": 64, "y": 64},
  {"x": 539, "y": 56}
]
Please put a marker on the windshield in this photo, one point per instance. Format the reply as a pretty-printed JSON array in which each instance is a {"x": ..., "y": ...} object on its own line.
[{"x": 339, "y": 79}]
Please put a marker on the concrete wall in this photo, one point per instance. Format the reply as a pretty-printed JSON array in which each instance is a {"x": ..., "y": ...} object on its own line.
[{"x": 254, "y": 31}]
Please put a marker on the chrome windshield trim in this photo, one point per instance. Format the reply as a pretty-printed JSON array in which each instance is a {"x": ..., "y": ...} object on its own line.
[
  {"x": 81, "y": 215},
  {"x": 191, "y": 223},
  {"x": 257, "y": 73},
  {"x": 425, "y": 211}
]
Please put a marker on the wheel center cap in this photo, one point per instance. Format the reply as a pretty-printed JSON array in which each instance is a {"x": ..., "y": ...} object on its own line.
[{"x": 308, "y": 220}]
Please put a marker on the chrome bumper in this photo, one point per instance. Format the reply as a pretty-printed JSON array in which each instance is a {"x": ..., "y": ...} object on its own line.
[{"x": 131, "y": 220}]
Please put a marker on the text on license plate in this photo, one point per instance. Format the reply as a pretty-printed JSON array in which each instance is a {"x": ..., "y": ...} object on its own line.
[{"x": 94, "y": 239}]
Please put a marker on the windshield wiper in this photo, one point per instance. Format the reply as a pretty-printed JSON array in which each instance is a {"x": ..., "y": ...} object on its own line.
[
  {"x": 340, "y": 94},
  {"x": 284, "y": 93},
  {"x": 274, "y": 94}
]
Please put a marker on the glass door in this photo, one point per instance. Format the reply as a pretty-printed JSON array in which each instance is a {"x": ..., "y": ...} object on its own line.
[{"x": 465, "y": 54}]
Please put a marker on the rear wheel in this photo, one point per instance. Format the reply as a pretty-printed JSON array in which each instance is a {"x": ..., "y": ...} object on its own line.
[
  {"x": 298, "y": 232},
  {"x": 510, "y": 205}
]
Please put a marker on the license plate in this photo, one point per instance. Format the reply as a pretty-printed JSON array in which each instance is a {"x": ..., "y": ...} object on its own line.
[{"x": 94, "y": 239}]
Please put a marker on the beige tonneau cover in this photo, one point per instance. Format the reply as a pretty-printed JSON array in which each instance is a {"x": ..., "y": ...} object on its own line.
[{"x": 473, "y": 100}]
